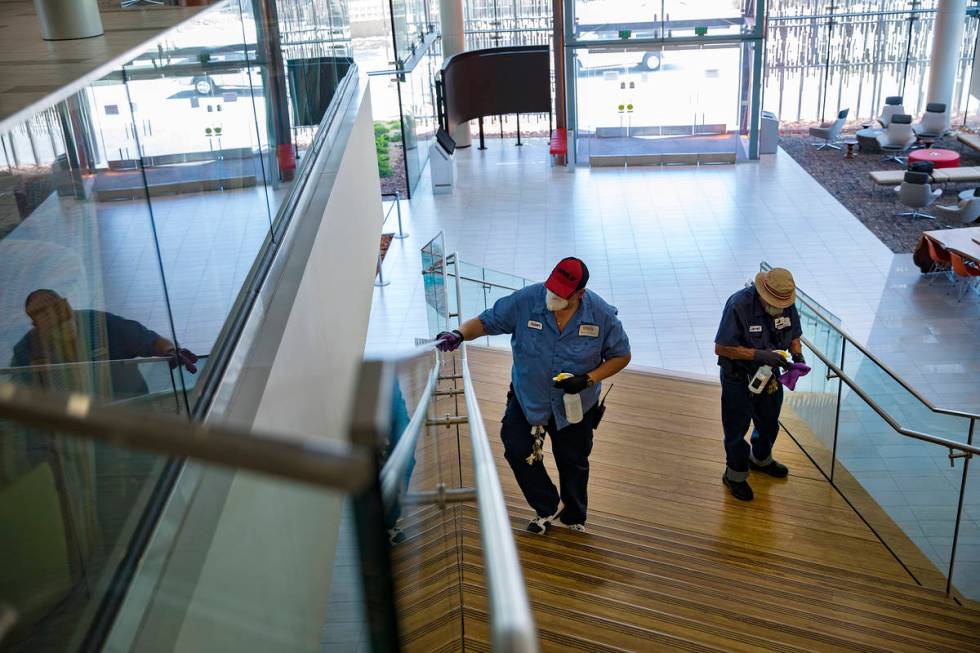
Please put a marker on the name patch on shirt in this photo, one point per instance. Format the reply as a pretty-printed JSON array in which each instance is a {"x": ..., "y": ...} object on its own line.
[
  {"x": 783, "y": 322},
  {"x": 755, "y": 329},
  {"x": 590, "y": 330},
  {"x": 532, "y": 324}
]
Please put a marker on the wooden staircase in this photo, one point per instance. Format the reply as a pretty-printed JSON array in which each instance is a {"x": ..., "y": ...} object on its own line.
[{"x": 671, "y": 562}]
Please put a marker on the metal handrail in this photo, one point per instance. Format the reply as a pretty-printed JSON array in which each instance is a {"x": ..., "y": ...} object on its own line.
[
  {"x": 511, "y": 624},
  {"x": 19, "y": 369},
  {"x": 820, "y": 311},
  {"x": 323, "y": 462},
  {"x": 400, "y": 458},
  {"x": 891, "y": 421}
]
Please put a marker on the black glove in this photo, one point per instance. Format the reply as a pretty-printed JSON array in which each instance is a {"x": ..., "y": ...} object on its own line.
[
  {"x": 798, "y": 358},
  {"x": 449, "y": 340},
  {"x": 770, "y": 358},
  {"x": 183, "y": 357},
  {"x": 575, "y": 384}
]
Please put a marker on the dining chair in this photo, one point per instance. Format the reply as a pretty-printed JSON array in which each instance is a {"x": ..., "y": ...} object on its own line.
[{"x": 967, "y": 270}]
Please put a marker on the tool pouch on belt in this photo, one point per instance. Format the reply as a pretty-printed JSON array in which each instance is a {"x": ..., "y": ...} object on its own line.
[{"x": 537, "y": 447}]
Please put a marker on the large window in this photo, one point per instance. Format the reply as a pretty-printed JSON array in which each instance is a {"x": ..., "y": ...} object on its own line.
[{"x": 824, "y": 57}]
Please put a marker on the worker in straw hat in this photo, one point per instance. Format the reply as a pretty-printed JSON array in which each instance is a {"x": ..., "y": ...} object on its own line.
[{"x": 758, "y": 323}]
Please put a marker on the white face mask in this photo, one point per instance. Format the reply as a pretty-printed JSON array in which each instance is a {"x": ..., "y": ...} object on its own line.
[
  {"x": 554, "y": 302},
  {"x": 774, "y": 311}
]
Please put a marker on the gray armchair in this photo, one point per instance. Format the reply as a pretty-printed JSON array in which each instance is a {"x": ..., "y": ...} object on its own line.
[
  {"x": 830, "y": 132},
  {"x": 897, "y": 138},
  {"x": 916, "y": 193},
  {"x": 965, "y": 212},
  {"x": 893, "y": 106}
]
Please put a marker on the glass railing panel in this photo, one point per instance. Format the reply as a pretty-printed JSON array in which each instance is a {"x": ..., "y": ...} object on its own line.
[
  {"x": 434, "y": 284},
  {"x": 966, "y": 569},
  {"x": 900, "y": 402},
  {"x": 78, "y": 256},
  {"x": 904, "y": 488},
  {"x": 425, "y": 552},
  {"x": 810, "y": 411},
  {"x": 68, "y": 508},
  {"x": 201, "y": 164}
]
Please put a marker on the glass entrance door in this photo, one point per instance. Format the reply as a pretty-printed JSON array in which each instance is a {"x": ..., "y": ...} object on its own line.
[{"x": 678, "y": 104}]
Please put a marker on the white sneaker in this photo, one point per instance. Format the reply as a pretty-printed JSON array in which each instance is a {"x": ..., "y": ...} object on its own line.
[
  {"x": 539, "y": 525},
  {"x": 578, "y": 528}
]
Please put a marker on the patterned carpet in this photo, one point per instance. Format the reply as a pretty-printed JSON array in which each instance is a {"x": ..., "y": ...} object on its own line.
[{"x": 848, "y": 181}]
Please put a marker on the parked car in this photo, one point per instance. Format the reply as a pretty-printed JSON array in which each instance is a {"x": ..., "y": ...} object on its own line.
[{"x": 614, "y": 55}]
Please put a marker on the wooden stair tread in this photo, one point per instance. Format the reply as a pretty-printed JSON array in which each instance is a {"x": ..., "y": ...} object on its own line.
[{"x": 670, "y": 561}]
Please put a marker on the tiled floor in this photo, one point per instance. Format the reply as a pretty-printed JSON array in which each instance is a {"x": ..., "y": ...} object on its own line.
[{"x": 668, "y": 245}]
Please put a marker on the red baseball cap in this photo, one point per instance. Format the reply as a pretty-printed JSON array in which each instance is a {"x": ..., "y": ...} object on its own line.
[{"x": 569, "y": 275}]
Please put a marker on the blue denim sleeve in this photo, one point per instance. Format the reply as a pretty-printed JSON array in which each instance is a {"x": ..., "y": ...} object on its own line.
[
  {"x": 729, "y": 330},
  {"x": 504, "y": 315},
  {"x": 616, "y": 343}
]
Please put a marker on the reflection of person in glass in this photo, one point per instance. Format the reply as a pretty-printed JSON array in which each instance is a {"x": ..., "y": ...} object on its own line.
[{"x": 64, "y": 335}]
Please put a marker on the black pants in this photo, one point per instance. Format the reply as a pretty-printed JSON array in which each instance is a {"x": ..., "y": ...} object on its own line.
[
  {"x": 571, "y": 447},
  {"x": 739, "y": 408}
]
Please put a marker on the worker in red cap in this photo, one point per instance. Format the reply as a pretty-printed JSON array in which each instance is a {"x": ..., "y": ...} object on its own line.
[{"x": 558, "y": 329}]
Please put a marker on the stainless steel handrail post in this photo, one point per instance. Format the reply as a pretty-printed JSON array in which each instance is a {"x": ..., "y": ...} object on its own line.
[
  {"x": 959, "y": 512},
  {"x": 840, "y": 394},
  {"x": 401, "y": 235}
]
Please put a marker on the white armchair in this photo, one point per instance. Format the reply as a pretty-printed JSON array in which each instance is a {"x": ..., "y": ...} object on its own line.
[
  {"x": 893, "y": 106},
  {"x": 830, "y": 131},
  {"x": 917, "y": 193},
  {"x": 933, "y": 122},
  {"x": 897, "y": 138},
  {"x": 965, "y": 212}
]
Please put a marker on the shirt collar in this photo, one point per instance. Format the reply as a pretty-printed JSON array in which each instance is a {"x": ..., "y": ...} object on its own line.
[{"x": 584, "y": 314}]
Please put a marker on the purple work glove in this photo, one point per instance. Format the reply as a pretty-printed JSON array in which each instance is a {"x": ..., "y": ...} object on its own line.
[
  {"x": 449, "y": 340},
  {"x": 183, "y": 357},
  {"x": 793, "y": 374}
]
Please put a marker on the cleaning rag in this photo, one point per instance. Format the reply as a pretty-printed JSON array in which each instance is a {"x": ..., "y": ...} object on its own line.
[{"x": 793, "y": 374}]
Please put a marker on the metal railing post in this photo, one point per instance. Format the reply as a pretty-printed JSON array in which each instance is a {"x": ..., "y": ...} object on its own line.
[
  {"x": 959, "y": 511},
  {"x": 401, "y": 235},
  {"x": 840, "y": 393},
  {"x": 380, "y": 281}
]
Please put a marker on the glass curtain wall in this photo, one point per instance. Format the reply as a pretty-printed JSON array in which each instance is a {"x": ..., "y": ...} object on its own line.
[
  {"x": 852, "y": 54},
  {"x": 130, "y": 215},
  {"x": 398, "y": 44}
]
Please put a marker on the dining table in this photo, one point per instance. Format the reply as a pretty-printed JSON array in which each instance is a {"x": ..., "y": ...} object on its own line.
[{"x": 965, "y": 242}]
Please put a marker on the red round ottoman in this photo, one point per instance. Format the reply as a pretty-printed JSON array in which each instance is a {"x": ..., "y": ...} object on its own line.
[{"x": 939, "y": 158}]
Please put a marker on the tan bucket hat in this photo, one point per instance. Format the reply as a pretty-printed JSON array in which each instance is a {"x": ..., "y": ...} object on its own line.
[{"x": 776, "y": 287}]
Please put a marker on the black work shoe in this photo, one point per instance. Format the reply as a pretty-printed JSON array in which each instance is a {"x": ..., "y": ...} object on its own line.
[
  {"x": 739, "y": 489},
  {"x": 774, "y": 469}
]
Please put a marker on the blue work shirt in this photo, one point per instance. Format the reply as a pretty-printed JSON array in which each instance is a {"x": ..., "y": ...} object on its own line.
[
  {"x": 593, "y": 335},
  {"x": 745, "y": 323}
]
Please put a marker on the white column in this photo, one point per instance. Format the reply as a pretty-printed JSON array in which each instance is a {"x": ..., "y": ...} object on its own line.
[
  {"x": 453, "y": 42},
  {"x": 946, "y": 40},
  {"x": 68, "y": 19}
]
